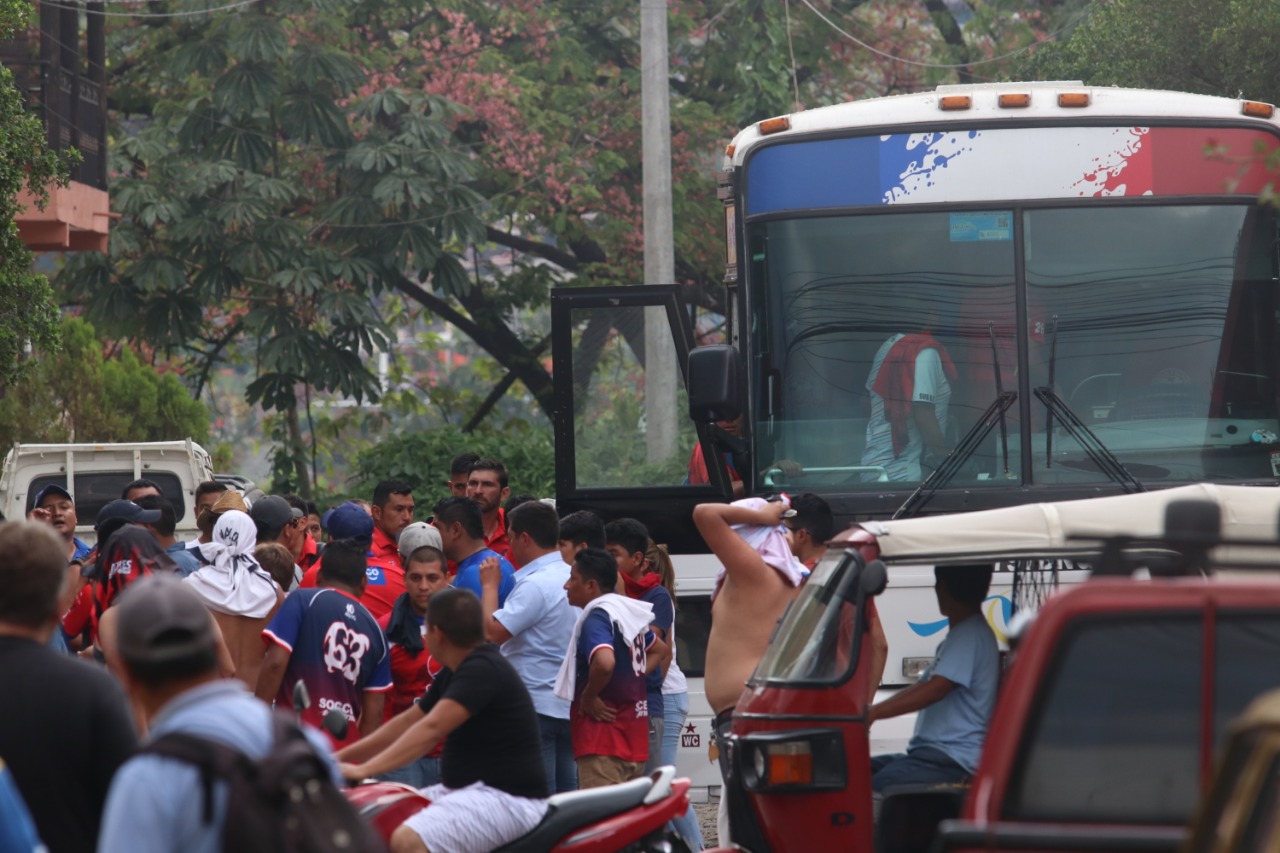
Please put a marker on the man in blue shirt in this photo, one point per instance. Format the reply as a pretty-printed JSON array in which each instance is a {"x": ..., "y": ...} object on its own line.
[
  {"x": 535, "y": 626},
  {"x": 169, "y": 657},
  {"x": 955, "y": 695},
  {"x": 326, "y": 638},
  {"x": 461, "y": 527}
]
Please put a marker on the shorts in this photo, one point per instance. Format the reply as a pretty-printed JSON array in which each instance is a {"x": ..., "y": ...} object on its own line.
[
  {"x": 474, "y": 819},
  {"x": 595, "y": 771}
]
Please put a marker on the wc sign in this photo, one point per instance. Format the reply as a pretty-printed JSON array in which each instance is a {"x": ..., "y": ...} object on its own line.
[{"x": 690, "y": 737}]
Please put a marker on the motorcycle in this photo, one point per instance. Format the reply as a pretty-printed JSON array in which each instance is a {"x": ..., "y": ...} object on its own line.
[
  {"x": 633, "y": 816},
  {"x": 630, "y": 816}
]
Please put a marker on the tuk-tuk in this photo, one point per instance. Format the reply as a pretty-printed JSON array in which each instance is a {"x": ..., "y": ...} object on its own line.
[{"x": 799, "y": 753}]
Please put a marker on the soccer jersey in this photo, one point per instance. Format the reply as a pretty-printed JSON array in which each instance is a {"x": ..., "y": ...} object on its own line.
[
  {"x": 627, "y": 737},
  {"x": 468, "y": 576},
  {"x": 336, "y": 648}
]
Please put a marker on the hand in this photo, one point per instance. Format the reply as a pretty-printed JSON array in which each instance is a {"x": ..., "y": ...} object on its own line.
[
  {"x": 789, "y": 468},
  {"x": 490, "y": 572},
  {"x": 40, "y": 514},
  {"x": 598, "y": 710},
  {"x": 353, "y": 773}
]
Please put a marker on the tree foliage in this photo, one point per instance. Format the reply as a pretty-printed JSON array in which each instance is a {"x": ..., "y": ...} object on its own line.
[
  {"x": 422, "y": 460},
  {"x": 77, "y": 393},
  {"x": 283, "y": 166},
  {"x": 1213, "y": 47},
  {"x": 28, "y": 308}
]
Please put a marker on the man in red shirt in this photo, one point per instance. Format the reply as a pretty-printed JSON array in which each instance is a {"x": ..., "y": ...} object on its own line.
[
  {"x": 412, "y": 667},
  {"x": 384, "y": 575},
  {"x": 392, "y": 511},
  {"x": 487, "y": 487}
]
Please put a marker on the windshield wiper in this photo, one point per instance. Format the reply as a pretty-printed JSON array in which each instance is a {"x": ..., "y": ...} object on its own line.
[
  {"x": 1098, "y": 452},
  {"x": 951, "y": 464}
]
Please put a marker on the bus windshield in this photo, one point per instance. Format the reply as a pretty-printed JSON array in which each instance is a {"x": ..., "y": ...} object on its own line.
[{"x": 1152, "y": 325}]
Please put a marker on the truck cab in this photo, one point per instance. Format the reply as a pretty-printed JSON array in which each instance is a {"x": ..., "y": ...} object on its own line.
[{"x": 95, "y": 474}]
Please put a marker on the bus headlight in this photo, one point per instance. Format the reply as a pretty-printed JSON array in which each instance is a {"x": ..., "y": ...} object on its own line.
[{"x": 801, "y": 760}]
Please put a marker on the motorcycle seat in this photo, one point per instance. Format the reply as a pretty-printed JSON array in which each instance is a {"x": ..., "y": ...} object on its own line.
[{"x": 575, "y": 809}]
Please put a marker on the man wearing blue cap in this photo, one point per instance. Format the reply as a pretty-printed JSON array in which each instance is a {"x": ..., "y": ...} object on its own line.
[
  {"x": 384, "y": 576},
  {"x": 54, "y": 506}
]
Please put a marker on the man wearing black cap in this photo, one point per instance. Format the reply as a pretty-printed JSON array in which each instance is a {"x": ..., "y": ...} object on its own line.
[
  {"x": 168, "y": 651},
  {"x": 55, "y": 506},
  {"x": 65, "y": 726}
]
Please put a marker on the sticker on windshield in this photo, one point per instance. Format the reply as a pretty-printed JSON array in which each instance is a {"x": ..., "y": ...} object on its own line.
[{"x": 982, "y": 226}]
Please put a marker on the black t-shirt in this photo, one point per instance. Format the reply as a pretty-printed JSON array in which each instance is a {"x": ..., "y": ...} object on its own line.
[
  {"x": 500, "y": 743},
  {"x": 65, "y": 727}
]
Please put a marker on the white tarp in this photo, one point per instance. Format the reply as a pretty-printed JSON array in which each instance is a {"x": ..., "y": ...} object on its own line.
[{"x": 1042, "y": 530}]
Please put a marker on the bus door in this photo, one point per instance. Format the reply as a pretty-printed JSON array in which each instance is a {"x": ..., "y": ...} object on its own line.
[{"x": 625, "y": 445}]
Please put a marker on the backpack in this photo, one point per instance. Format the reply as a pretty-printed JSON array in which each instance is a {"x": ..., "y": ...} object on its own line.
[{"x": 284, "y": 802}]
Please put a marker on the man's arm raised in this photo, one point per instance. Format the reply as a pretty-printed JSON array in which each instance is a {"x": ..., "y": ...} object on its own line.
[
  {"x": 490, "y": 580},
  {"x": 714, "y": 522}
]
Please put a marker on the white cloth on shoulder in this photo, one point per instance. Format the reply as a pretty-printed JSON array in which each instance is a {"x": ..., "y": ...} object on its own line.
[
  {"x": 233, "y": 582},
  {"x": 630, "y": 617},
  {"x": 770, "y": 543}
]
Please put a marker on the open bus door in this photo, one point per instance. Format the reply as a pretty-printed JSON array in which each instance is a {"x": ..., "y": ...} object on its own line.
[{"x": 608, "y": 458}]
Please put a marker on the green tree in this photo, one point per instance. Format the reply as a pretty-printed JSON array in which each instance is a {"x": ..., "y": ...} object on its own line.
[
  {"x": 422, "y": 460},
  {"x": 269, "y": 192},
  {"x": 1212, "y": 47},
  {"x": 77, "y": 393},
  {"x": 28, "y": 309}
]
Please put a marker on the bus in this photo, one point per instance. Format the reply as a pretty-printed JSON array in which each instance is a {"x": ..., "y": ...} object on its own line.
[{"x": 1095, "y": 269}]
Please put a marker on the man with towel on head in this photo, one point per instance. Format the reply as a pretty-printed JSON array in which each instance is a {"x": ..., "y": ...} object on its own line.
[{"x": 239, "y": 593}]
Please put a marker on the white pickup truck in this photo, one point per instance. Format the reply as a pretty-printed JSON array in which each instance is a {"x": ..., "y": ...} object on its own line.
[{"x": 96, "y": 474}]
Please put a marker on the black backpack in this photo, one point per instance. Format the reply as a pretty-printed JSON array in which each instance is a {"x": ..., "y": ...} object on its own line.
[{"x": 285, "y": 801}]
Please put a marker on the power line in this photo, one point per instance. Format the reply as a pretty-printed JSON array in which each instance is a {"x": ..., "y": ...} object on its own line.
[
  {"x": 71, "y": 4},
  {"x": 851, "y": 37}
]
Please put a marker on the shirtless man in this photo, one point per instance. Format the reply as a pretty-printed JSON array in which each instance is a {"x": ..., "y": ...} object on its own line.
[{"x": 743, "y": 614}]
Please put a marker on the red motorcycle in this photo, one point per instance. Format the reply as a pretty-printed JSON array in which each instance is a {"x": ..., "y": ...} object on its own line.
[{"x": 631, "y": 816}]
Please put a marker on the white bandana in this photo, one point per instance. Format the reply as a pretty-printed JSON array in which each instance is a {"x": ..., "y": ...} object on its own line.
[{"x": 233, "y": 582}]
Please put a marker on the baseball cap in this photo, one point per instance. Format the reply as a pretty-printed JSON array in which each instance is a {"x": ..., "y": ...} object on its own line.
[
  {"x": 348, "y": 521},
  {"x": 417, "y": 535},
  {"x": 162, "y": 620},
  {"x": 51, "y": 489},
  {"x": 127, "y": 512},
  {"x": 273, "y": 511}
]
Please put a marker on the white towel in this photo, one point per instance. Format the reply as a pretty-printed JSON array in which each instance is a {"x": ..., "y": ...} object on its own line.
[
  {"x": 631, "y": 618},
  {"x": 771, "y": 543},
  {"x": 233, "y": 582}
]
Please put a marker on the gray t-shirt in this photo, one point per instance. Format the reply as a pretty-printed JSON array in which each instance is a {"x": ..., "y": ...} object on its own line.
[{"x": 969, "y": 658}]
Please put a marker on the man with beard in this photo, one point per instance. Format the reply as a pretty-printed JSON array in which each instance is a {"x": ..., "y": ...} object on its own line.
[{"x": 487, "y": 486}]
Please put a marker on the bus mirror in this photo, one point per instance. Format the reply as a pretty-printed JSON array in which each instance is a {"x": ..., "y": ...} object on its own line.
[
  {"x": 713, "y": 384},
  {"x": 873, "y": 580}
]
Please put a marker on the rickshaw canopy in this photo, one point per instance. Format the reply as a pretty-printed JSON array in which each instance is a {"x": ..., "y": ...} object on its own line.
[{"x": 1051, "y": 530}]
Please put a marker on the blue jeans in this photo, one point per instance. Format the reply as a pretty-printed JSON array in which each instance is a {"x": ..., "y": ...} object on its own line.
[
  {"x": 923, "y": 765},
  {"x": 676, "y": 711},
  {"x": 416, "y": 774},
  {"x": 557, "y": 754}
]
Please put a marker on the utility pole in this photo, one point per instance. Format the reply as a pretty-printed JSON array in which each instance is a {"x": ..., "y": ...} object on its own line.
[{"x": 659, "y": 251}]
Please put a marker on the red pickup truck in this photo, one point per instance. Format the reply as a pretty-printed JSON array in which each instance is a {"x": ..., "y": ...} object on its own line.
[{"x": 1111, "y": 712}]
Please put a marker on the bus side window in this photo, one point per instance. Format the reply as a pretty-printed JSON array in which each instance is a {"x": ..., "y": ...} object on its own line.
[{"x": 693, "y": 624}]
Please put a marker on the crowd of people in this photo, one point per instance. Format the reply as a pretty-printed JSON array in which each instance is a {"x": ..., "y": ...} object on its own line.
[{"x": 491, "y": 656}]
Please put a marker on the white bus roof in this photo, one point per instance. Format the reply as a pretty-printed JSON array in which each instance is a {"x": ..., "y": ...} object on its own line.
[
  {"x": 925, "y": 107},
  {"x": 1044, "y": 530}
]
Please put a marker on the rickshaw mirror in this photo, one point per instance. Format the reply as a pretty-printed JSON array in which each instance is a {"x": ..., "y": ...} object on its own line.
[{"x": 873, "y": 580}]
